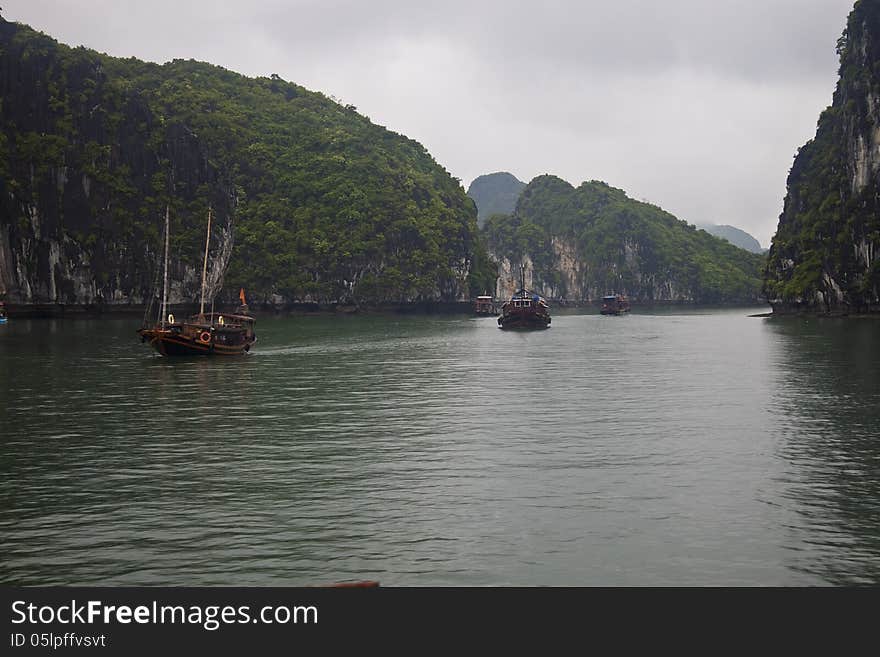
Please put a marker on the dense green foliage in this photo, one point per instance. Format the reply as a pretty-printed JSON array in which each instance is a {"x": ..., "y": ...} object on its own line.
[
  {"x": 622, "y": 245},
  {"x": 734, "y": 235},
  {"x": 325, "y": 204},
  {"x": 495, "y": 193},
  {"x": 822, "y": 255}
]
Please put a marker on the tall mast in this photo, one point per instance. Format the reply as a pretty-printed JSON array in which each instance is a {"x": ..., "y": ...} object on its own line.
[
  {"x": 165, "y": 282},
  {"x": 205, "y": 265}
]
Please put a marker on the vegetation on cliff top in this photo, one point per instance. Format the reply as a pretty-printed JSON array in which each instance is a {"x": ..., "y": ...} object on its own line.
[
  {"x": 623, "y": 245},
  {"x": 326, "y": 204}
]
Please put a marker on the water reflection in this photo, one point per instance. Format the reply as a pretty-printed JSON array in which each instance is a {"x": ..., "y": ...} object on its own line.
[
  {"x": 676, "y": 448},
  {"x": 828, "y": 399}
]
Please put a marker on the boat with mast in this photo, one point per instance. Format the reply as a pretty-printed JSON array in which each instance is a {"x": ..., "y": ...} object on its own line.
[
  {"x": 203, "y": 334},
  {"x": 525, "y": 309}
]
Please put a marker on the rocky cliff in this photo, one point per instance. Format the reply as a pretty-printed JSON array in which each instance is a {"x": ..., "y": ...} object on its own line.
[
  {"x": 824, "y": 256},
  {"x": 312, "y": 202},
  {"x": 579, "y": 244}
]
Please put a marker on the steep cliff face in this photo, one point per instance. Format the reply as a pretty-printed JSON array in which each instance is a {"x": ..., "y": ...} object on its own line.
[
  {"x": 80, "y": 157},
  {"x": 580, "y": 244},
  {"x": 824, "y": 256},
  {"x": 311, "y": 201}
]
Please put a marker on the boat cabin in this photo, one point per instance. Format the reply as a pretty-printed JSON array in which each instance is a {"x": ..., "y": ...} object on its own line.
[{"x": 217, "y": 328}]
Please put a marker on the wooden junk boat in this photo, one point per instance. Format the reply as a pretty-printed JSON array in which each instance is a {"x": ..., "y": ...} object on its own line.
[
  {"x": 614, "y": 304},
  {"x": 203, "y": 334},
  {"x": 524, "y": 310}
]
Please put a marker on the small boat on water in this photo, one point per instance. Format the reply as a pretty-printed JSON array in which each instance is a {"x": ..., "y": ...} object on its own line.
[
  {"x": 204, "y": 334},
  {"x": 2, "y": 313},
  {"x": 485, "y": 306},
  {"x": 614, "y": 304},
  {"x": 524, "y": 310}
]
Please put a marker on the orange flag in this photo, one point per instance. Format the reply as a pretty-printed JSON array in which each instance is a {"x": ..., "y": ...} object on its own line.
[{"x": 241, "y": 296}]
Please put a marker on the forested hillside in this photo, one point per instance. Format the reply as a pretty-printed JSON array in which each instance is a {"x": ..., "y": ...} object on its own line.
[
  {"x": 312, "y": 200},
  {"x": 581, "y": 243}
]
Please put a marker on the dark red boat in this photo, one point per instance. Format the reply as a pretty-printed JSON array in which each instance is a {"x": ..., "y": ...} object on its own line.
[
  {"x": 524, "y": 310},
  {"x": 485, "y": 305},
  {"x": 614, "y": 304}
]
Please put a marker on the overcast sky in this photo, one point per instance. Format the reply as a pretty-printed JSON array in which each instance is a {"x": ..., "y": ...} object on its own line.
[{"x": 695, "y": 106}]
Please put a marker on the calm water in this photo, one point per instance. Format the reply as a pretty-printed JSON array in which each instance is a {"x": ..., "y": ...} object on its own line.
[{"x": 653, "y": 449}]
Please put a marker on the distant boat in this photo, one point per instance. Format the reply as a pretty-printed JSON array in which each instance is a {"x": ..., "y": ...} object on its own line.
[
  {"x": 2, "y": 313},
  {"x": 485, "y": 305},
  {"x": 205, "y": 334},
  {"x": 524, "y": 310},
  {"x": 614, "y": 304}
]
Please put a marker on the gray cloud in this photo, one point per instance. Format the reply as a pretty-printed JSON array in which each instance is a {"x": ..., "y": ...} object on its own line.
[{"x": 696, "y": 106}]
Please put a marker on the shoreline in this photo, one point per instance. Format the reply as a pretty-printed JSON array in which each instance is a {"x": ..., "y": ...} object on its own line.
[
  {"x": 93, "y": 311},
  {"x": 872, "y": 314},
  {"x": 784, "y": 310}
]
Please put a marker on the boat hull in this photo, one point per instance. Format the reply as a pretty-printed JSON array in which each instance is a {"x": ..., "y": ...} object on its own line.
[
  {"x": 168, "y": 343},
  {"x": 524, "y": 322}
]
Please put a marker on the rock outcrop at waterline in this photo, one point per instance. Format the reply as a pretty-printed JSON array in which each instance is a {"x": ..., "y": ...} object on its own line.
[
  {"x": 313, "y": 202},
  {"x": 825, "y": 255},
  {"x": 579, "y": 244}
]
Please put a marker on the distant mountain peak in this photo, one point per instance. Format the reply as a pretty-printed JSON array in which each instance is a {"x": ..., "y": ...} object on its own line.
[
  {"x": 495, "y": 193},
  {"x": 734, "y": 235}
]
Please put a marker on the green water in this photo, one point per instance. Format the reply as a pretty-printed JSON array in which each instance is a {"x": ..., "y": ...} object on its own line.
[{"x": 667, "y": 448}]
